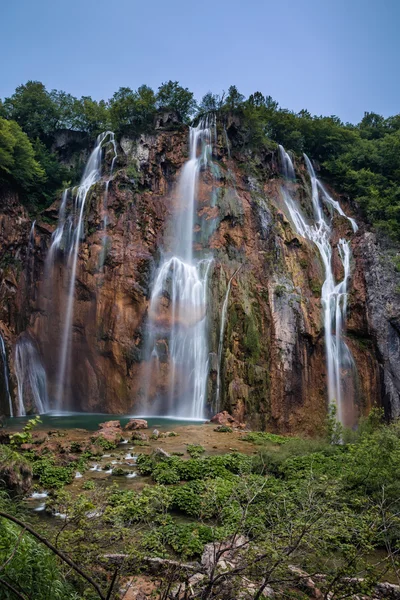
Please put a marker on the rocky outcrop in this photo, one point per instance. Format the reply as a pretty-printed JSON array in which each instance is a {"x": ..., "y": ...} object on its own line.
[
  {"x": 272, "y": 370},
  {"x": 382, "y": 298}
]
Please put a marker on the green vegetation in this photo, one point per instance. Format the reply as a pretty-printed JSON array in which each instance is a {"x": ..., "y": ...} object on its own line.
[
  {"x": 17, "y": 157},
  {"x": 195, "y": 450},
  {"x": 25, "y": 436},
  {"x": 325, "y": 505},
  {"x": 362, "y": 161},
  {"x": 31, "y": 567}
]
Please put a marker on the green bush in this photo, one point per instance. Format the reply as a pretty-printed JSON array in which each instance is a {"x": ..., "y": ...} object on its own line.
[
  {"x": 51, "y": 475},
  {"x": 195, "y": 450}
]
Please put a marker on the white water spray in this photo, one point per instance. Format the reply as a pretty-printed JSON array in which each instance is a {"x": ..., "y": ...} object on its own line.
[
  {"x": 333, "y": 295},
  {"x": 31, "y": 377},
  {"x": 178, "y": 302}
]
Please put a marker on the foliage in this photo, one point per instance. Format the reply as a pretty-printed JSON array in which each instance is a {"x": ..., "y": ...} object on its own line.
[
  {"x": 51, "y": 475},
  {"x": 25, "y": 436},
  {"x": 17, "y": 157},
  {"x": 262, "y": 437},
  {"x": 32, "y": 568},
  {"x": 131, "y": 112},
  {"x": 195, "y": 450},
  {"x": 33, "y": 108},
  {"x": 172, "y": 96},
  {"x": 103, "y": 443}
]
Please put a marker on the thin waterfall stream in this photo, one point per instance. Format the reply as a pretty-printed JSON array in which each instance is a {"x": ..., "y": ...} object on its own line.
[
  {"x": 6, "y": 375},
  {"x": 334, "y": 294}
]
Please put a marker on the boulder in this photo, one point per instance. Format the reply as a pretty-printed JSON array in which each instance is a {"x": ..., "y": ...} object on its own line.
[
  {"x": 110, "y": 424},
  {"x": 136, "y": 424},
  {"x": 110, "y": 431},
  {"x": 161, "y": 453},
  {"x": 224, "y": 418},
  {"x": 139, "y": 435}
]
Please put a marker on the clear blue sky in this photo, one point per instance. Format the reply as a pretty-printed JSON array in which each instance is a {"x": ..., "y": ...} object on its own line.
[{"x": 330, "y": 56}]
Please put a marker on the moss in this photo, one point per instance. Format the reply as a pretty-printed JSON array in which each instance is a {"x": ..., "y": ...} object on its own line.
[
  {"x": 280, "y": 290},
  {"x": 315, "y": 287},
  {"x": 251, "y": 338}
]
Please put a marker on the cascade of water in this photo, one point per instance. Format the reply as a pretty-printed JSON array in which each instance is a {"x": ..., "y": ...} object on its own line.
[
  {"x": 67, "y": 237},
  {"x": 105, "y": 203},
  {"x": 177, "y": 311},
  {"x": 32, "y": 235},
  {"x": 31, "y": 377},
  {"x": 286, "y": 164},
  {"x": 3, "y": 354},
  {"x": 221, "y": 339},
  {"x": 333, "y": 295}
]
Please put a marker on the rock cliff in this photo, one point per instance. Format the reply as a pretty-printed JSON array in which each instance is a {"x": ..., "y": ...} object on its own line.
[{"x": 272, "y": 370}]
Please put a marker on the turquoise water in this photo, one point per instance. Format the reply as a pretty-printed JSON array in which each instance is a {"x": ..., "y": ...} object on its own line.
[{"x": 91, "y": 421}]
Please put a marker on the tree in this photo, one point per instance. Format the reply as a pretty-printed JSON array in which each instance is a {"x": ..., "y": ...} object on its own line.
[
  {"x": 131, "y": 112},
  {"x": 211, "y": 103},
  {"x": 172, "y": 96},
  {"x": 234, "y": 98},
  {"x": 17, "y": 157},
  {"x": 33, "y": 108},
  {"x": 90, "y": 116}
]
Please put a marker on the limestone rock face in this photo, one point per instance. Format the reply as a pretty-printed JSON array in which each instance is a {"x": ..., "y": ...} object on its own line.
[
  {"x": 272, "y": 369},
  {"x": 382, "y": 296}
]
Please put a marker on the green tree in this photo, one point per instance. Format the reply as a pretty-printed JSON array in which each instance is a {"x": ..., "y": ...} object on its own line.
[
  {"x": 89, "y": 116},
  {"x": 33, "y": 108},
  {"x": 132, "y": 112},
  {"x": 172, "y": 96},
  {"x": 17, "y": 157},
  {"x": 234, "y": 98}
]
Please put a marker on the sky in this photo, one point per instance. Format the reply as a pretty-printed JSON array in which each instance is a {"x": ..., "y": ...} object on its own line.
[{"x": 330, "y": 57}]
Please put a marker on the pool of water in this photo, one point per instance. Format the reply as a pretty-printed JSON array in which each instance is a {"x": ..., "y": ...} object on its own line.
[{"x": 91, "y": 421}]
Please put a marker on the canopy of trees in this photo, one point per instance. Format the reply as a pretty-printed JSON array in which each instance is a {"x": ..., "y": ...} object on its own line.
[{"x": 361, "y": 160}]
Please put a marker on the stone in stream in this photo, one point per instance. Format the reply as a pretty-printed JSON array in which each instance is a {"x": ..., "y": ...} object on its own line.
[{"x": 136, "y": 424}]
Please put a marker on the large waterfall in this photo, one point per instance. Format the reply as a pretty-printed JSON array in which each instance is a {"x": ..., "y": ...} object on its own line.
[
  {"x": 67, "y": 237},
  {"x": 177, "y": 327},
  {"x": 318, "y": 229}
]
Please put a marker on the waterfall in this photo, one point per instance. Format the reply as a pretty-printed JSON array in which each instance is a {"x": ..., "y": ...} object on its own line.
[
  {"x": 334, "y": 294},
  {"x": 67, "y": 237},
  {"x": 177, "y": 311},
  {"x": 286, "y": 164},
  {"x": 3, "y": 354},
  {"x": 32, "y": 235},
  {"x": 31, "y": 378},
  {"x": 221, "y": 339},
  {"x": 105, "y": 204}
]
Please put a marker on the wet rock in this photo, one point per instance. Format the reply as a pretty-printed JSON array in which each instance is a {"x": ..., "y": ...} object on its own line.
[
  {"x": 110, "y": 431},
  {"x": 161, "y": 453},
  {"x": 224, "y": 418},
  {"x": 136, "y": 424},
  {"x": 110, "y": 424},
  {"x": 15, "y": 474},
  {"x": 139, "y": 435}
]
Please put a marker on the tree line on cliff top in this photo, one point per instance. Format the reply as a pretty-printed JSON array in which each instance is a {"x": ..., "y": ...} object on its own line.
[{"x": 361, "y": 160}]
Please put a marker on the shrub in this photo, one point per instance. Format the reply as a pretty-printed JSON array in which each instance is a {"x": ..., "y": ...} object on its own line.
[{"x": 195, "y": 450}]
